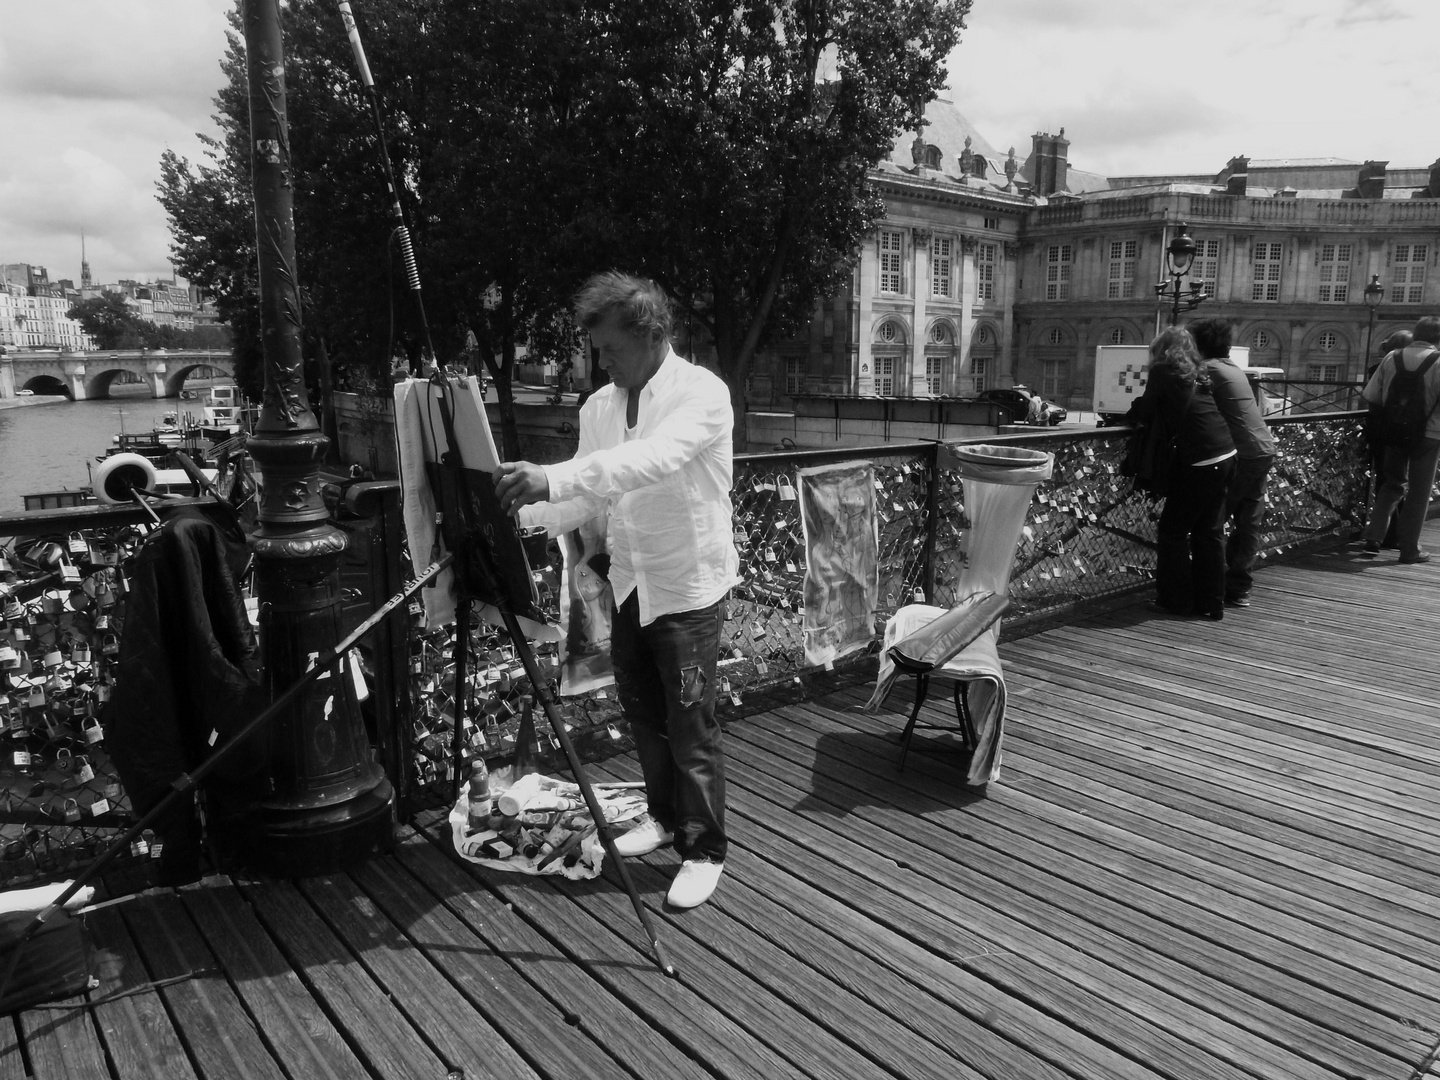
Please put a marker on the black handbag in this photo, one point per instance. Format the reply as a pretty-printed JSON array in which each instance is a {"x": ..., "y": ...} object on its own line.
[{"x": 1150, "y": 454}]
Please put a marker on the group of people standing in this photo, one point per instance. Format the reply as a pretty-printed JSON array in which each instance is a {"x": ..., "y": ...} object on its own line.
[
  {"x": 1197, "y": 396},
  {"x": 1224, "y": 451}
]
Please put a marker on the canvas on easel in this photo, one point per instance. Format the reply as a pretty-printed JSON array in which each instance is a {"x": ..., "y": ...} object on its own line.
[{"x": 465, "y": 498}]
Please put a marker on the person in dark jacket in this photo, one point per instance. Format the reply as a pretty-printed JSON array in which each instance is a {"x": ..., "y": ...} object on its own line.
[
  {"x": 1190, "y": 540},
  {"x": 1255, "y": 453}
]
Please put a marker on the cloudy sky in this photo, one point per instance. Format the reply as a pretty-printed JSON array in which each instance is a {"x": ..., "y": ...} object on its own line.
[{"x": 92, "y": 93}]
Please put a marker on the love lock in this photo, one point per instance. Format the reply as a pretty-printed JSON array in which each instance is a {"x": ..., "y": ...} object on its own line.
[{"x": 94, "y": 733}]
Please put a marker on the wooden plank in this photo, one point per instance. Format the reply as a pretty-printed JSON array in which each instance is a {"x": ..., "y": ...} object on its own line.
[
  {"x": 469, "y": 1030},
  {"x": 1089, "y": 1035},
  {"x": 61, "y": 1041},
  {"x": 134, "y": 1023},
  {"x": 939, "y": 1001},
  {"x": 12, "y": 1064},
  {"x": 378, "y": 1029},
  {"x": 1366, "y": 924},
  {"x": 218, "y": 1034},
  {"x": 565, "y": 915},
  {"x": 636, "y": 1040},
  {"x": 1000, "y": 870},
  {"x": 302, "y": 1037},
  {"x": 723, "y": 988}
]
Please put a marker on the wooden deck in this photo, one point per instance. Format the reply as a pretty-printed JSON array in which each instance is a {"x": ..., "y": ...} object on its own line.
[{"x": 1213, "y": 854}]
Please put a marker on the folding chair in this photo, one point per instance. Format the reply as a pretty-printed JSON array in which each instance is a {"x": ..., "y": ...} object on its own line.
[{"x": 959, "y": 643}]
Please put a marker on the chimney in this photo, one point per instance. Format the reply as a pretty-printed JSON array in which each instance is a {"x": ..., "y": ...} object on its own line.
[
  {"x": 1237, "y": 175},
  {"x": 1371, "y": 184},
  {"x": 1052, "y": 163},
  {"x": 1432, "y": 190}
]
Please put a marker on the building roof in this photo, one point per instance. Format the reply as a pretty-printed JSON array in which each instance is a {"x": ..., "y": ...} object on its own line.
[{"x": 947, "y": 128}]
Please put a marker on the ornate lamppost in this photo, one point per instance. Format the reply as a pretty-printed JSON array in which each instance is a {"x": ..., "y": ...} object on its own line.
[
  {"x": 1374, "y": 293},
  {"x": 328, "y": 804},
  {"x": 1179, "y": 255}
]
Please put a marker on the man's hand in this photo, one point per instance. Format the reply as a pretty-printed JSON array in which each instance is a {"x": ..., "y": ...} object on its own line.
[{"x": 520, "y": 483}]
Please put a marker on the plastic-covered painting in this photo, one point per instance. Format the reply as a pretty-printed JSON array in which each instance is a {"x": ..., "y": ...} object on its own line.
[{"x": 842, "y": 559}]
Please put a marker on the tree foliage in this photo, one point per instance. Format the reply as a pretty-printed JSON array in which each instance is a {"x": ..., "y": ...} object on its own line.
[
  {"x": 115, "y": 325},
  {"x": 719, "y": 146}
]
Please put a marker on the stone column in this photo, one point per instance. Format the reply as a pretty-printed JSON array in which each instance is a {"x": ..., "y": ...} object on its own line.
[
  {"x": 921, "y": 277},
  {"x": 862, "y": 377}
]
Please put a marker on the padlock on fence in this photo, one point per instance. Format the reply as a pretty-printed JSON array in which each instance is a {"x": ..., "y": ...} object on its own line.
[
  {"x": 9, "y": 658},
  {"x": 76, "y": 544},
  {"x": 52, "y": 659},
  {"x": 110, "y": 644},
  {"x": 80, "y": 654},
  {"x": 84, "y": 771},
  {"x": 93, "y": 732},
  {"x": 71, "y": 811}
]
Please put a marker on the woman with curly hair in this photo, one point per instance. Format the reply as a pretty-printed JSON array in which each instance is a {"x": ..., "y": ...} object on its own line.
[{"x": 1190, "y": 541}]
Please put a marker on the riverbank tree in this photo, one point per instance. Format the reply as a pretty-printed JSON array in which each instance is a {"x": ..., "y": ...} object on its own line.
[{"x": 719, "y": 147}]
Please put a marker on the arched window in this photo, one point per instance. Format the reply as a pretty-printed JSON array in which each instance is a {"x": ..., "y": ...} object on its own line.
[
  {"x": 1117, "y": 336},
  {"x": 1056, "y": 336},
  {"x": 1261, "y": 340},
  {"x": 888, "y": 333},
  {"x": 941, "y": 334},
  {"x": 982, "y": 336},
  {"x": 1327, "y": 340}
]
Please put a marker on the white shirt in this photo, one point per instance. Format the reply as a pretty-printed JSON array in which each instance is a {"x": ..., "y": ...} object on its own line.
[{"x": 665, "y": 484}]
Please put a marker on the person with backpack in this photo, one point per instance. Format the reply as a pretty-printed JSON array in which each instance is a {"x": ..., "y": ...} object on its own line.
[
  {"x": 1394, "y": 341},
  {"x": 1403, "y": 395}
]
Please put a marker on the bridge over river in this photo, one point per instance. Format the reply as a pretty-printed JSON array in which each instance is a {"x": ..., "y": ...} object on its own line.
[{"x": 85, "y": 375}]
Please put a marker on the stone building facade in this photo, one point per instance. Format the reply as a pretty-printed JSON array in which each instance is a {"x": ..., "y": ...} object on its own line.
[{"x": 987, "y": 271}]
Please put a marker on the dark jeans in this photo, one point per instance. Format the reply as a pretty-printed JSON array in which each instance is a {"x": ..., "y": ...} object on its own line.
[
  {"x": 665, "y": 679},
  {"x": 1245, "y": 509},
  {"x": 1190, "y": 540},
  {"x": 1410, "y": 477}
]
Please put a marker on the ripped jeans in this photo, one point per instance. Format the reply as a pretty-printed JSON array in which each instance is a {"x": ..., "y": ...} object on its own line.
[{"x": 665, "y": 680}]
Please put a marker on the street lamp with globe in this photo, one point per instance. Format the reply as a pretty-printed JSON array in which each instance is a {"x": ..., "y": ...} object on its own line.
[{"x": 1179, "y": 256}]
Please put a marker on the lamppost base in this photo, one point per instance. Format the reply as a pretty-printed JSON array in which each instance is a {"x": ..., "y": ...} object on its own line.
[{"x": 322, "y": 834}]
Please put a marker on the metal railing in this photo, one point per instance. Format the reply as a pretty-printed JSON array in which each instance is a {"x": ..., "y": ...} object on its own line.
[{"x": 1089, "y": 537}]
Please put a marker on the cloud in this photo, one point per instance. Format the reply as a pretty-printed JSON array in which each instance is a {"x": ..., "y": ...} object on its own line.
[
  {"x": 1371, "y": 11},
  {"x": 95, "y": 93}
]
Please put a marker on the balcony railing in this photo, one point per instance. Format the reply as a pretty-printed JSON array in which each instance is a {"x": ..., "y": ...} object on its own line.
[{"x": 1089, "y": 537}]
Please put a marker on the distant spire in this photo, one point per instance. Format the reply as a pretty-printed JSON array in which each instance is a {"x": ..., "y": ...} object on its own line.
[{"x": 85, "y": 281}]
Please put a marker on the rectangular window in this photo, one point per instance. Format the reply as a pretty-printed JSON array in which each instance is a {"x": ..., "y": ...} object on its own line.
[
  {"x": 1057, "y": 272},
  {"x": 885, "y": 375},
  {"x": 992, "y": 223},
  {"x": 1051, "y": 374},
  {"x": 1325, "y": 372},
  {"x": 1122, "y": 269},
  {"x": 934, "y": 367},
  {"x": 891, "y": 267},
  {"x": 1266, "y": 259},
  {"x": 985, "y": 271},
  {"x": 1206, "y": 267},
  {"x": 979, "y": 373},
  {"x": 1334, "y": 273},
  {"x": 794, "y": 375},
  {"x": 1407, "y": 273},
  {"x": 941, "y": 249}
]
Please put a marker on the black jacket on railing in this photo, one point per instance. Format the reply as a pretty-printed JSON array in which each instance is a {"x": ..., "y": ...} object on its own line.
[{"x": 187, "y": 675}]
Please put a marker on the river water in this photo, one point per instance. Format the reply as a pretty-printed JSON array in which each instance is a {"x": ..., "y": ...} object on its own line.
[{"x": 46, "y": 441}]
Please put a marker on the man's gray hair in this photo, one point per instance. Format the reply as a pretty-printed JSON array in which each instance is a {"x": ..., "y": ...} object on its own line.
[{"x": 642, "y": 306}]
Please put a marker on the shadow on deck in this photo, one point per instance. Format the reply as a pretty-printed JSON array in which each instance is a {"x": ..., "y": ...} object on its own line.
[{"x": 1212, "y": 854}]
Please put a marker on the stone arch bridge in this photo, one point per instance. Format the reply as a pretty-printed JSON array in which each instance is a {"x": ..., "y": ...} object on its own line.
[{"x": 84, "y": 375}]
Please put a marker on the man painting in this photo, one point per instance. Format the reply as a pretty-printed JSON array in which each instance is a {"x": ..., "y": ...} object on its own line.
[{"x": 655, "y": 455}]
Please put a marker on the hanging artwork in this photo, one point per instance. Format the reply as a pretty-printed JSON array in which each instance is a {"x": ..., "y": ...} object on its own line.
[
  {"x": 842, "y": 547},
  {"x": 587, "y": 608}
]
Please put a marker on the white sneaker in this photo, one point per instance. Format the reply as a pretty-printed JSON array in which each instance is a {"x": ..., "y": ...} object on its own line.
[
  {"x": 694, "y": 883},
  {"x": 643, "y": 838}
]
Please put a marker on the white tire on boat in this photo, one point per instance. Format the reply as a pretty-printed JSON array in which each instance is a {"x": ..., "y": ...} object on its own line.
[{"x": 119, "y": 474}]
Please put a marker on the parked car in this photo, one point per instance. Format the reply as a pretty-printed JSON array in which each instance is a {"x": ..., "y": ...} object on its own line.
[{"x": 1025, "y": 406}]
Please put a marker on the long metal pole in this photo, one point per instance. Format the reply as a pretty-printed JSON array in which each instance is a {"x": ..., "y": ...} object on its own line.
[{"x": 328, "y": 802}]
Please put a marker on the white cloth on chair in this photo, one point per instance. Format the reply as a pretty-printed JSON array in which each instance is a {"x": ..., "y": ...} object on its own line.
[{"x": 977, "y": 664}]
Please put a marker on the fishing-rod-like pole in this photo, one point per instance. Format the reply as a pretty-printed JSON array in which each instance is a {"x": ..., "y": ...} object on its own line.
[{"x": 397, "y": 214}]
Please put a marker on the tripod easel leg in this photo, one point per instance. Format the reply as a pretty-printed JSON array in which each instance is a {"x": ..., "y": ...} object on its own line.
[{"x": 532, "y": 670}]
